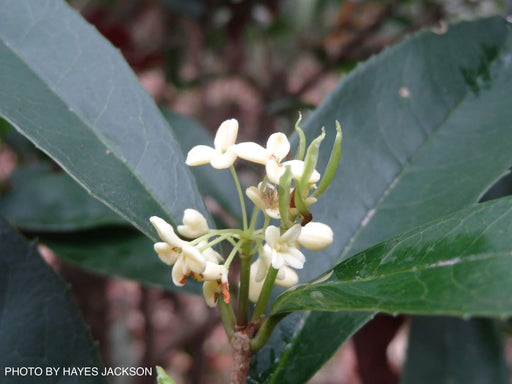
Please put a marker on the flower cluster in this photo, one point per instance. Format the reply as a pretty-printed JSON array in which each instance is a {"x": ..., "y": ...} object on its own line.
[{"x": 284, "y": 196}]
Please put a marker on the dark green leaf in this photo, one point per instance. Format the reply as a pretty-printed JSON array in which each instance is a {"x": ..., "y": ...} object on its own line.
[
  {"x": 39, "y": 324},
  {"x": 215, "y": 183},
  {"x": 41, "y": 200},
  {"x": 459, "y": 265},
  {"x": 115, "y": 252},
  {"x": 426, "y": 130},
  {"x": 448, "y": 350},
  {"x": 68, "y": 90}
]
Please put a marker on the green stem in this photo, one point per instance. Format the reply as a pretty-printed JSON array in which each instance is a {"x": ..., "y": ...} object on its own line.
[
  {"x": 217, "y": 232},
  {"x": 266, "y": 290},
  {"x": 265, "y": 224},
  {"x": 253, "y": 218},
  {"x": 216, "y": 241},
  {"x": 232, "y": 254},
  {"x": 243, "y": 293},
  {"x": 240, "y": 195},
  {"x": 265, "y": 331},
  {"x": 227, "y": 315}
]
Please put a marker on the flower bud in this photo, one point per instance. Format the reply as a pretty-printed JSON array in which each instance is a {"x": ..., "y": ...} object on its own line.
[
  {"x": 315, "y": 236},
  {"x": 165, "y": 231},
  {"x": 194, "y": 224}
]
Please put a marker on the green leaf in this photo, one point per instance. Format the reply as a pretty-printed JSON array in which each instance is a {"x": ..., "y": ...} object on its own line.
[
  {"x": 426, "y": 130},
  {"x": 216, "y": 183},
  {"x": 40, "y": 325},
  {"x": 162, "y": 377},
  {"x": 72, "y": 94},
  {"x": 116, "y": 252},
  {"x": 44, "y": 201},
  {"x": 448, "y": 350},
  {"x": 459, "y": 265}
]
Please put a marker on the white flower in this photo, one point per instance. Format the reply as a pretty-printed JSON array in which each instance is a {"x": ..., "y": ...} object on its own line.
[
  {"x": 277, "y": 148},
  {"x": 282, "y": 249},
  {"x": 315, "y": 236},
  {"x": 267, "y": 199},
  {"x": 276, "y": 170},
  {"x": 223, "y": 154},
  {"x": 174, "y": 251},
  {"x": 194, "y": 224},
  {"x": 286, "y": 278},
  {"x": 215, "y": 279}
]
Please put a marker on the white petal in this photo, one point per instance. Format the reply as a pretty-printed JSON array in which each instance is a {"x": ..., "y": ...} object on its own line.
[
  {"x": 291, "y": 235},
  {"x": 255, "y": 285},
  {"x": 278, "y": 145},
  {"x": 178, "y": 274},
  {"x": 211, "y": 290},
  {"x": 226, "y": 135},
  {"x": 211, "y": 255},
  {"x": 166, "y": 253},
  {"x": 199, "y": 155},
  {"x": 294, "y": 258},
  {"x": 252, "y": 152},
  {"x": 272, "y": 235},
  {"x": 310, "y": 200},
  {"x": 273, "y": 213},
  {"x": 316, "y": 236},
  {"x": 297, "y": 168},
  {"x": 166, "y": 232},
  {"x": 195, "y": 224},
  {"x": 261, "y": 269},
  {"x": 254, "y": 195},
  {"x": 194, "y": 259},
  {"x": 223, "y": 160},
  {"x": 214, "y": 271},
  {"x": 289, "y": 279},
  {"x": 274, "y": 171},
  {"x": 277, "y": 259}
]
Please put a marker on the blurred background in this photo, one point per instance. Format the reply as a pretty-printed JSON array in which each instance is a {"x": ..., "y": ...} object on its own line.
[{"x": 260, "y": 62}]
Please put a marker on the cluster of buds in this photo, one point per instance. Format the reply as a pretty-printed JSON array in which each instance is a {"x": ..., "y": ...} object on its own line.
[{"x": 284, "y": 196}]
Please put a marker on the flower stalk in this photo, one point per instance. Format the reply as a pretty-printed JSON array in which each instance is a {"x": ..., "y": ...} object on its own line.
[{"x": 284, "y": 197}]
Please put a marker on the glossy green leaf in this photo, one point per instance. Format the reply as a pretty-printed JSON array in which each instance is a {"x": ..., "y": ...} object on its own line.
[
  {"x": 116, "y": 252},
  {"x": 215, "y": 183},
  {"x": 449, "y": 350},
  {"x": 72, "y": 94},
  {"x": 426, "y": 130},
  {"x": 460, "y": 265},
  {"x": 44, "y": 201},
  {"x": 40, "y": 326}
]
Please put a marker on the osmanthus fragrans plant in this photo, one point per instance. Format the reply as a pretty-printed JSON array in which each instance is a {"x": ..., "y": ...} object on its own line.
[
  {"x": 284, "y": 194},
  {"x": 427, "y": 131}
]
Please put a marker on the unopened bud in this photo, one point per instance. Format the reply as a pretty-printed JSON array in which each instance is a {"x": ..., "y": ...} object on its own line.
[
  {"x": 315, "y": 236},
  {"x": 194, "y": 224}
]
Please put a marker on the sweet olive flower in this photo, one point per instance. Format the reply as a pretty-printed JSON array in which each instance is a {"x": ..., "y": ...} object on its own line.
[
  {"x": 282, "y": 249},
  {"x": 277, "y": 148},
  {"x": 194, "y": 224},
  {"x": 315, "y": 236},
  {"x": 286, "y": 278},
  {"x": 223, "y": 154},
  {"x": 173, "y": 251},
  {"x": 266, "y": 198},
  {"x": 216, "y": 282}
]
